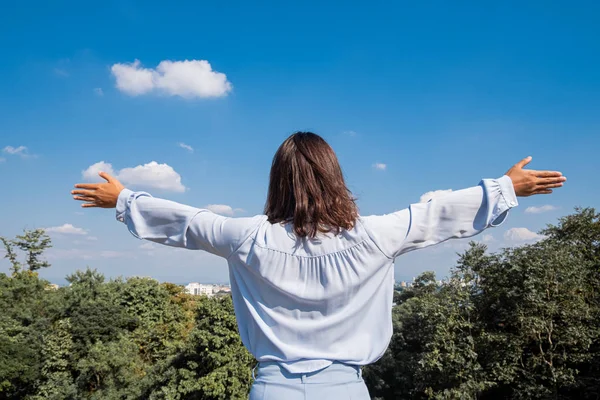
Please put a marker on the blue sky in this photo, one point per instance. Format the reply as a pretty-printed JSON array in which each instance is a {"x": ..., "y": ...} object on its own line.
[{"x": 414, "y": 97}]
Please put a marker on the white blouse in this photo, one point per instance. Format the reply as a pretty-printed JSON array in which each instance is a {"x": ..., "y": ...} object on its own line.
[{"x": 308, "y": 302}]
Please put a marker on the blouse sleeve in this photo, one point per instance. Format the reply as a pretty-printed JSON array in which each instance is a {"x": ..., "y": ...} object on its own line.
[
  {"x": 173, "y": 224},
  {"x": 459, "y": 214}
]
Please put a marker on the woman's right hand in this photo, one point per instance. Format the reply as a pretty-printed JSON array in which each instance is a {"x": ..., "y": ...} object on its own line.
[
  {"x": 528, "y": 182},
  {"x": 104, "y": 195}
]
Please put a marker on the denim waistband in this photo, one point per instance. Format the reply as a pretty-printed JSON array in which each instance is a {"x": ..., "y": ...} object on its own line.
[{"x": 338, "y": 372}]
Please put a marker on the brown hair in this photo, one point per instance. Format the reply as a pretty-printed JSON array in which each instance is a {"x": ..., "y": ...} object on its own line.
[{"x": 307, "y": 187}]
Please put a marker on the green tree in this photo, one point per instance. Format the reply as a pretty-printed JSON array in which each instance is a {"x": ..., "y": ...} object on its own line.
[
  {"x": 538, "y": 316},
  {"x": 580, "y": 233},
  {"x": 19, "y": 359},
  {"x": 94, "y": 311},
  {"x": 214, "y": 365},
  {"x": 432, "y": 353},
  {"x": 33, "y": 243},
  {"x": 522, "y": 323},
  {"x": 28, "y": 310},
  {"x": 56, "y": 380},
  {"x": 518, "y": 324},
  {"x": 111, "y": 370},
  {"x": 163, "y": 324}
]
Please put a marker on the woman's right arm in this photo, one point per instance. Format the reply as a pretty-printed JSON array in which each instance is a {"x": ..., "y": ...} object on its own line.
[
  {"x": 178, "y": 225},
  {"x": 167, "y": 222}
]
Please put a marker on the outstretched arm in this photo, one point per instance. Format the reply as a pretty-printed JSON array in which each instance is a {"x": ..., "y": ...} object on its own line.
[
  {"x": 459, "y": 214},
  {"x": 166, "y": 222}
]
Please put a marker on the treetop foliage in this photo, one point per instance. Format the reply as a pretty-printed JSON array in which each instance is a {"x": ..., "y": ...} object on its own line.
[{"x": 521, "y": 323}]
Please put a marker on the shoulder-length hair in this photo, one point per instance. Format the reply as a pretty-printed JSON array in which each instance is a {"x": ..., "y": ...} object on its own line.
[{"x": 307, "y": 188}]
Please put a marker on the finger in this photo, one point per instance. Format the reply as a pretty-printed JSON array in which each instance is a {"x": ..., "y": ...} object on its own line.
[
  {"x": 85, "y": 205},
  {"x": 523, "y": 162},
  {"x": 550, "y": 186},
  {"x": 550, "y": 181},
  {"x": 106, "y": 176},
  {"x": 84, "y": 198},
  {"x": 83, "y": 192},
  {"x": 546, "y": 174},
  {"x": 91, "y": 186}
]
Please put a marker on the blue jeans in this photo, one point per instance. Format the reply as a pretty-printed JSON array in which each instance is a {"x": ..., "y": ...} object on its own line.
[{"x": 337, "y": 382}]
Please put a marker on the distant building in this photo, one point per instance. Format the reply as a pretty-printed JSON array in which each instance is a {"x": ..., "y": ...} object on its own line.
[
  {"x": 200, "y": 289},
  {"x": 52, "y": 286},
  {"x": 223, "y": 291}
]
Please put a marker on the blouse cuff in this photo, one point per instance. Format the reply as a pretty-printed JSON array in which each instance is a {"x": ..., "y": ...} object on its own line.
[
  {"x": 123, "y": 202},
  {"x": 507, "y": 200}
]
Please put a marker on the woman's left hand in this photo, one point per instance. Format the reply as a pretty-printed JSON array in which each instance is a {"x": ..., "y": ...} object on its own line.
[
  {"x": 102, "y": 195},
  {"x": 528, "y": 182}
]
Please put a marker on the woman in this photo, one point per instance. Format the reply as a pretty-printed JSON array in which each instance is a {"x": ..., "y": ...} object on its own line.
[{"x": 312, "y": 281}]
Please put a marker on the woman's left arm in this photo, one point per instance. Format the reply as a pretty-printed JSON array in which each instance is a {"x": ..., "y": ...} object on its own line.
[{"x": 459, "y": 214}]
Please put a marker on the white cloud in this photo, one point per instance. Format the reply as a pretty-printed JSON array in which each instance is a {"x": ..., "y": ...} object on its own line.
[
  {"x": 67, "y": 229},
  {"x": 131, "y": 79},
  {"x": 150, "y": 175},
  {"x": 221, "y": 209},
  {"x": 98, "y": 91},
  {"x": 92, "y": 238},
  {"x": 16, "y": 151},
  {"x": 380, "y": 166},
  {"x": 541, "y": 209},
  {"x": 112, "y": 254},
  {"x": 188, "y": 79},
  {"x": 69, "y": 254},
  {"x": 430, "y": 195},
  {"x": 154, "y": 175},
  {"x": 350, "y": 133},
  {"x": 224, "y": 209},
  {"x": 186, "y": 147},
  {"x": 522, "y": 235},
  {"x": 84, "y": 254},
  {"x": 91, "y": 173},
  {"x": 487, "y": 238}
]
